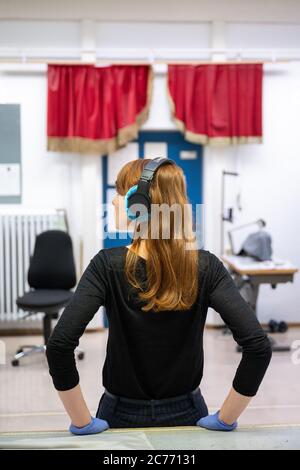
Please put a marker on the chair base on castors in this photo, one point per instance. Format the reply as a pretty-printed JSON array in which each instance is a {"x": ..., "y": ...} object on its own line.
[{"x": 29, "y": 350}]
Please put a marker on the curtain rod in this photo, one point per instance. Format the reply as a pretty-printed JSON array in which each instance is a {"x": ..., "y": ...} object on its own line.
[{"x": 133, "y": 56}]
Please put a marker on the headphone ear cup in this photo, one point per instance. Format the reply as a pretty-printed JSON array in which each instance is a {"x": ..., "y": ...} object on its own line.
[
  {"x": 132, "y": 199},
  {"x": 129, "y": 193}
]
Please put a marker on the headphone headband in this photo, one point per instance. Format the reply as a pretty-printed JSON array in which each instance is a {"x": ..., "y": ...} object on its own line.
[
  {"x": 152, "y": 166},
  {"x": 139, "y": 194}
]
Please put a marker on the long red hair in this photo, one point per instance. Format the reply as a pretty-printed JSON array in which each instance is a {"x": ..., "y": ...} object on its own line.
[{"x": 172, "y": 269}]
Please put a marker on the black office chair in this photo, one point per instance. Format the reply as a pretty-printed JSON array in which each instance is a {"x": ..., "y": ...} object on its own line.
[{"x": 51, "y": 275}]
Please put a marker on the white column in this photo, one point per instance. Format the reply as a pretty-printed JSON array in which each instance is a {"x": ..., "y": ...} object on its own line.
[
  {"x": 91, "y": 184},
  {"x": 90, "y": 206},
  {"x": 213, "y": 164},
  {"x": 90, "y": 166},
  {"x": 91, "y": 178}
]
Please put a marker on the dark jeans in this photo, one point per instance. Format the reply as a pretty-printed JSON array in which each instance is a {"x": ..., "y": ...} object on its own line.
[{"x": 121, "y": 412}]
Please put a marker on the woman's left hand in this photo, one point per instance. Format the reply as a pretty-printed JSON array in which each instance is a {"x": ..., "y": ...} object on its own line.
[{"x": 214, "y": 423}]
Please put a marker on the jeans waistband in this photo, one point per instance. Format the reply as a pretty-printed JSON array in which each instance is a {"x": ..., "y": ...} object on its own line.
[{"x": 138, "y": 401}]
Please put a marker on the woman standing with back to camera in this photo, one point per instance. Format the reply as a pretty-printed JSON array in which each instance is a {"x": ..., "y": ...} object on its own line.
[{"x": 156, "y": 293}]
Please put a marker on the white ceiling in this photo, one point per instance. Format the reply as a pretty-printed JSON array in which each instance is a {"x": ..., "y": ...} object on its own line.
[{"x": 154, "y": 10}]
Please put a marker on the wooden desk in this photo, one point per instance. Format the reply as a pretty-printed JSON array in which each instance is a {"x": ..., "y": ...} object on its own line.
[
  {"x": 247, "y": 265},
  {"x": 248, "y": 274}
]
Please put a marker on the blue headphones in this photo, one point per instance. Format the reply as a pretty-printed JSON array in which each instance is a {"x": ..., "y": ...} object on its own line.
[{"x": 139, "y": 193}]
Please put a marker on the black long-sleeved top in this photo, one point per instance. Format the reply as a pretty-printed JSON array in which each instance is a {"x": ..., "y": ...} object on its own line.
[{"x": 155, "y": 354}]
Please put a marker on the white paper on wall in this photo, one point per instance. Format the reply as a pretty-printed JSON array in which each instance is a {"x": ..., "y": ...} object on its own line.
[{"x": 10, "y": 181}]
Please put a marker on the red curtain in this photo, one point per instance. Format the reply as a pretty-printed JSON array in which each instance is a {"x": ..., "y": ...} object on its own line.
[
  {"x": 218, "y": 103},
  {"x": 96, "y": 109}
]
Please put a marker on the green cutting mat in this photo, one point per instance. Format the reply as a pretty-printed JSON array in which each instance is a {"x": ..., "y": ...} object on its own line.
[{"x": 166, "y": 438}]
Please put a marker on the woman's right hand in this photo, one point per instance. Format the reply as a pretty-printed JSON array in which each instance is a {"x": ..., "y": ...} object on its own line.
[{"x": 94, "y": 427}]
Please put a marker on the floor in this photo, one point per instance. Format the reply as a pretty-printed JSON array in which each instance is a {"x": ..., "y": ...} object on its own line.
[{"x": 28, "y": 401}]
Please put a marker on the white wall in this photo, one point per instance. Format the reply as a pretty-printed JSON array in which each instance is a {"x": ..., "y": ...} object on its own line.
[
  {"x": 270, "y": 171},
  {"x": 270, "y": 183},
  {"x": 49, "y": 180}
]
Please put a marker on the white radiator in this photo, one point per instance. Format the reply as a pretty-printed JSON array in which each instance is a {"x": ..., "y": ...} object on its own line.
[{"x": 17, "y": 238}]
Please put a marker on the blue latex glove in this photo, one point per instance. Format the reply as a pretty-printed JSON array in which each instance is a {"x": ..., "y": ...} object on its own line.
[
  {"x": 214, "y": 423},
  {"x": 94, "y": 427}
]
